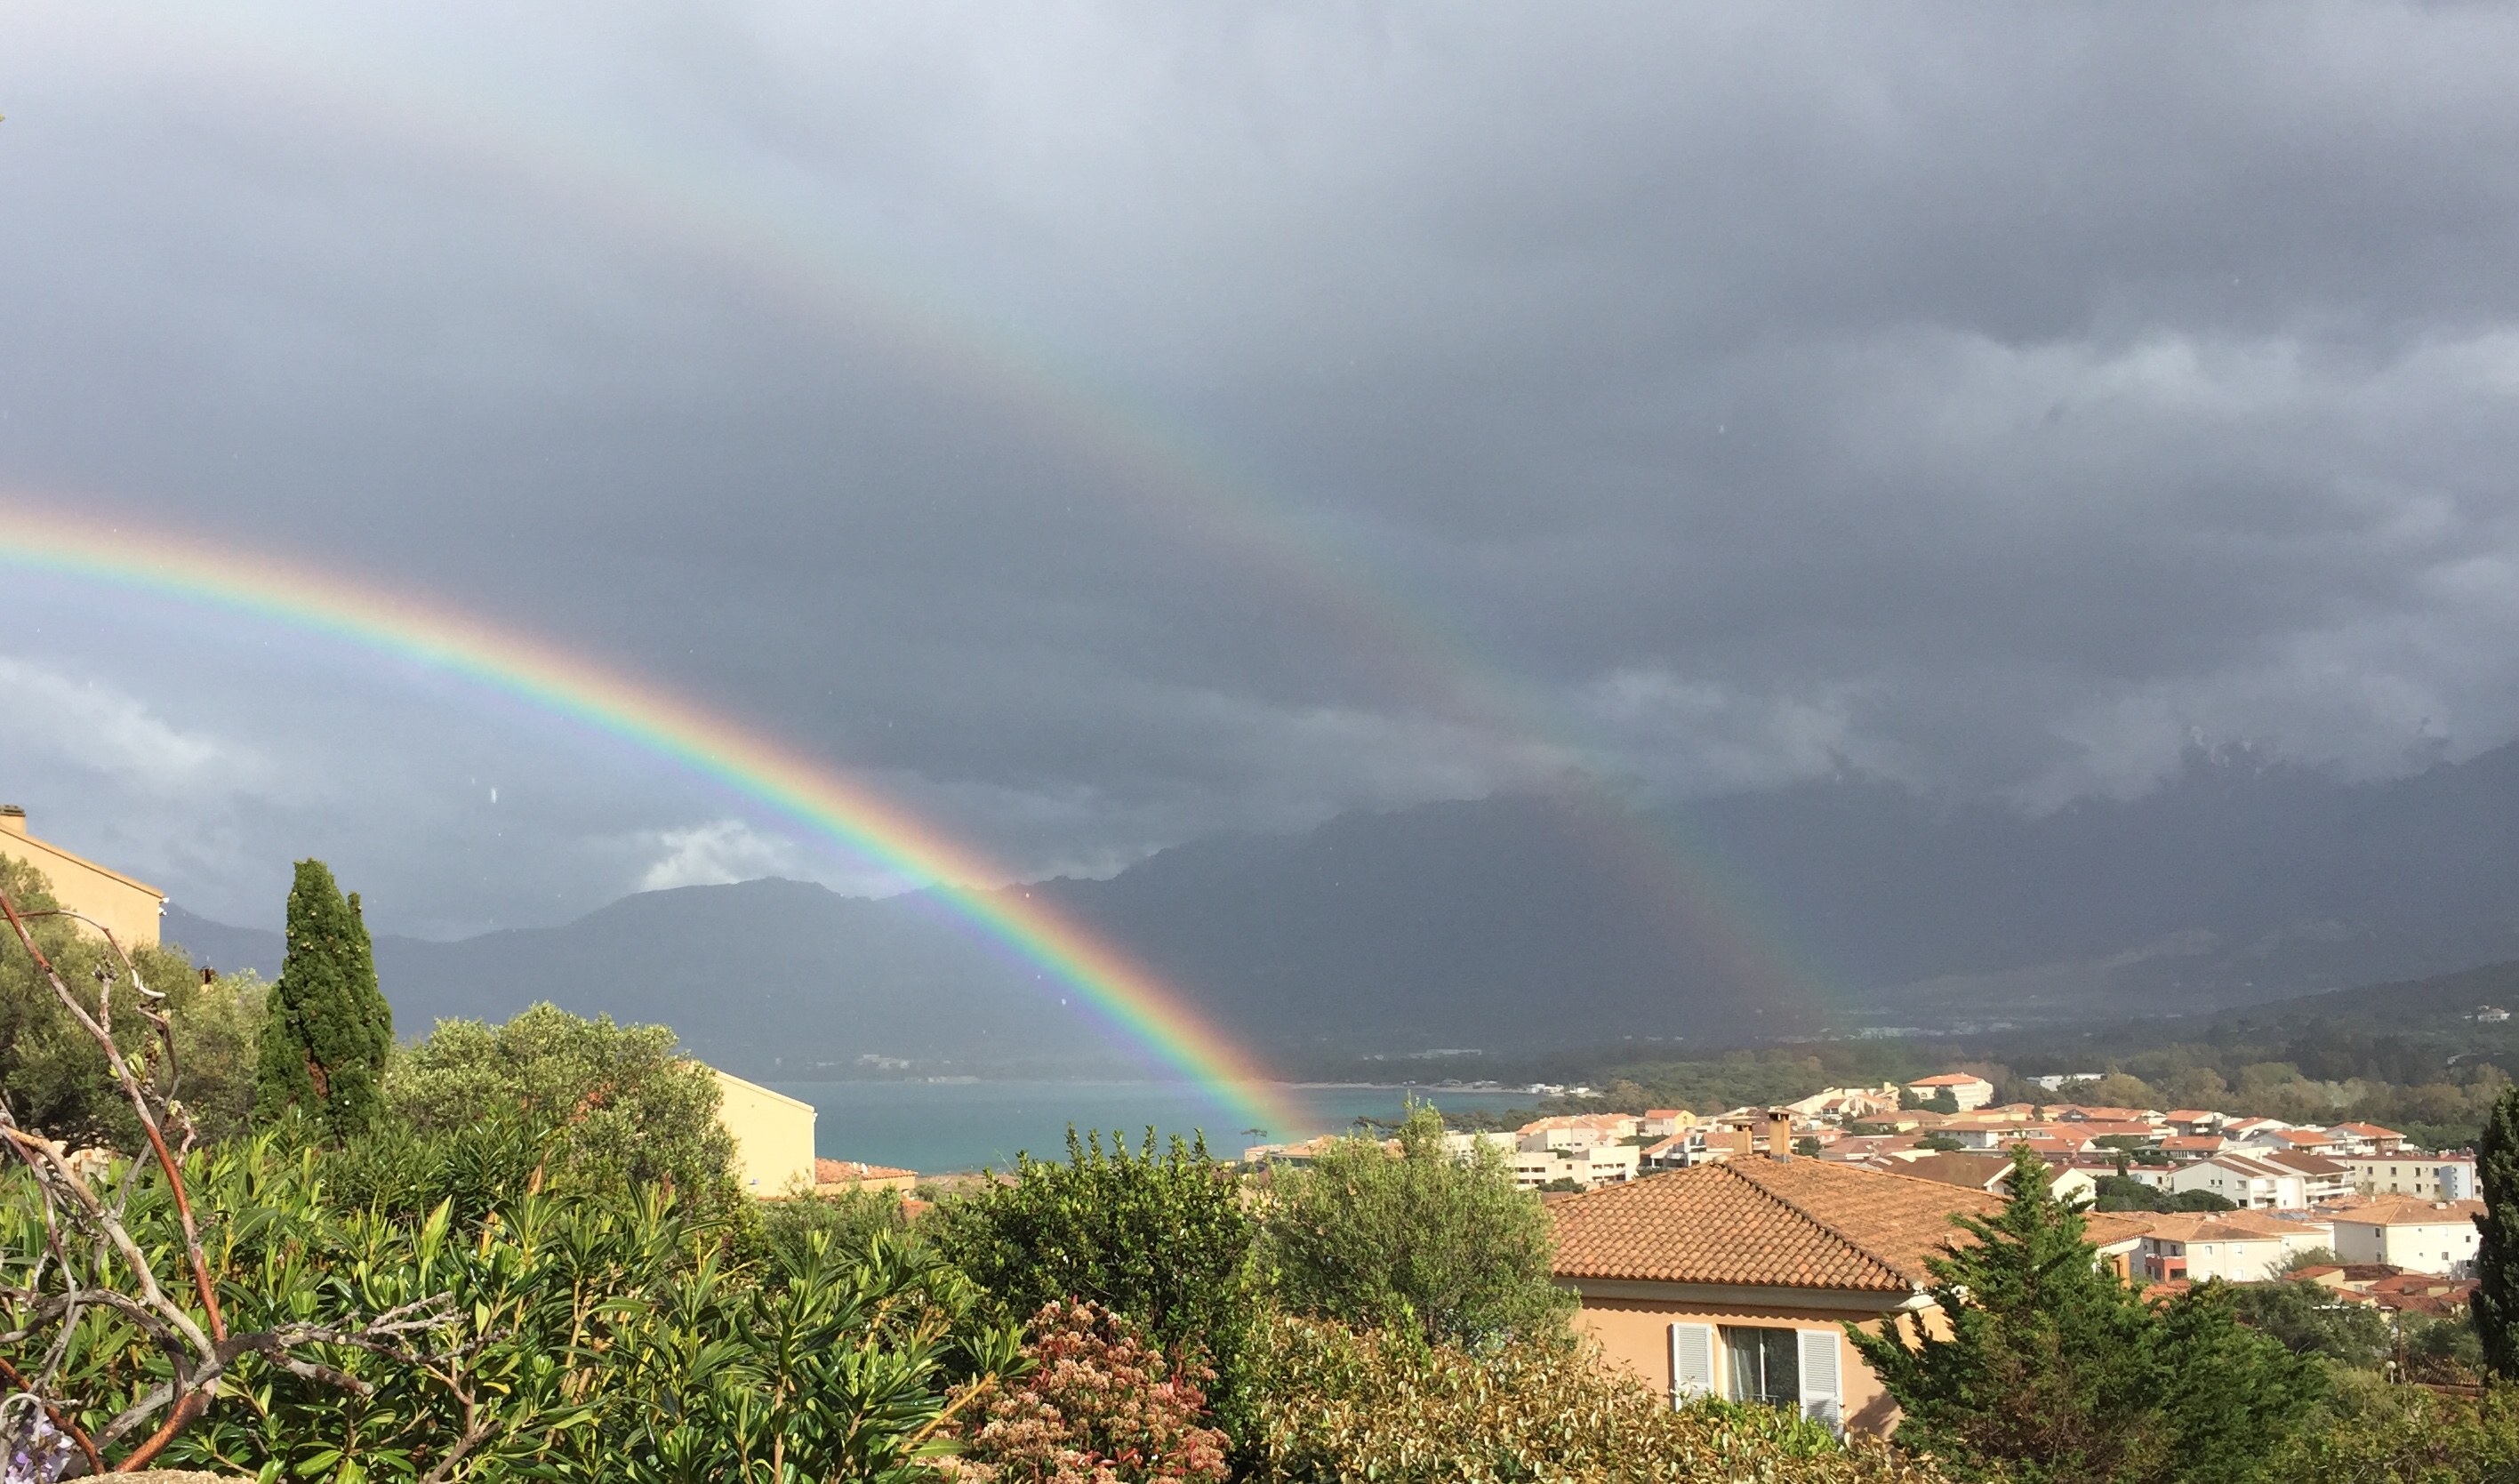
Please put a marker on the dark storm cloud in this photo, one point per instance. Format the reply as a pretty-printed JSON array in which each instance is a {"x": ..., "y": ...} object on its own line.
[{"x": 1994, "y": 398}]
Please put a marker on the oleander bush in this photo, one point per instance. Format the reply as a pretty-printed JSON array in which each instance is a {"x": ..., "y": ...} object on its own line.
[{"x": 608, "y": 1335}]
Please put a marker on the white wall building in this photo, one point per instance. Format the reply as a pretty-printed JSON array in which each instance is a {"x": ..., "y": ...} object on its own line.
[
  {"x": 2250, "y": 1184},
  {"x": 2235, "y": 1247},
  {"x": 2424, "y": 1177},
  {"x": 1591, "y": 1169},
  {"x": 2418, "y": 1236}
]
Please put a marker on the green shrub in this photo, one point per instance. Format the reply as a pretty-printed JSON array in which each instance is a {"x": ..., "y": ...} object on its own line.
[
  {"x": 600, "y": 1334},
  {"x": 1427, "y": 1240},
  {"x": 2310, "y": 1319},
  {"x": 1332, "y": 1404},
  {"x": 2368, "y": 1431},
  {"x": 629, "y": 1111}
]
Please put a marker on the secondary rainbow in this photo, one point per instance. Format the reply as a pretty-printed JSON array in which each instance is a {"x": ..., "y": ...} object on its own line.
[{"x": 734, "y": 758}]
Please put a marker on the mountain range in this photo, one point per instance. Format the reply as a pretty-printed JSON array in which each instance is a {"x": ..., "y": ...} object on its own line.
[{"x": 1525, "y": 922}]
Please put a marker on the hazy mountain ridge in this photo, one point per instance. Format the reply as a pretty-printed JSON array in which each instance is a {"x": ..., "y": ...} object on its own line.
[{"x": 1528, "y": 920}]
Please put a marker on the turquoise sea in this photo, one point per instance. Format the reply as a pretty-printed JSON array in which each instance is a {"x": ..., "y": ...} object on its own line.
[{"x": 934, "y": 1127}]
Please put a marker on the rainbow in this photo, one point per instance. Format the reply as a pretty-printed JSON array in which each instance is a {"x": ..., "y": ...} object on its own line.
[{"x": 725, "y": 753}]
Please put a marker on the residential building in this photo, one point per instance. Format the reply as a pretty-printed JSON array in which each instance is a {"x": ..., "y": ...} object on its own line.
[
  {"x": 832, "y": 1177},
  {"x": 2418, "y": 1236},
  {"x": 1966, "y": 1089},
  {"x": 2365, "y": 1139},
  {"x": 1663, "y": 1122},
  {"x": 2384, "y": 1285},
  {"x": 2192, "y": 1122},
  {"x": 2297, "y": 1141},
  {"x": 1849, "y": 1105},
  {"x": 2251, "y": 1184},
  {"x": 128, "y": 909},
  {"x": 2324, "y": 1181},
  {"x": 2244, "y": 1130},
  {"x": 2233, "y": 1245},
  {"x": 1992, "y": 1174},
  {"x": 773, "y": 1136},
  {"x": 1666, "y": 1153},
  {"x": 2425, "y": 1177},
  {"x": 1465, "y": 1146},
  {"x": 1580, "y": 1130},
  {"x": 2185, "y": 1147},
  {"x": 1590, "y": 1168},
  {"x": 1732, "y": 1280},
  {"x": 2053, "y": 1079}
]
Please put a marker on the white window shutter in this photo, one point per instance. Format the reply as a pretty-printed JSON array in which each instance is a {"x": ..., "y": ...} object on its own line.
[
  {"x": 1692, "y": 1362},
  {"x": 1821, "y": 1388}
]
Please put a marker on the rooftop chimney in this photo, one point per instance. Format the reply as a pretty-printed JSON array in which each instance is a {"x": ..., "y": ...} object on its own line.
[
  {"x": 1780, "y": 1135},
  {"x": 13, "y": 818},
  {"x": 1741, "y": 1141}
]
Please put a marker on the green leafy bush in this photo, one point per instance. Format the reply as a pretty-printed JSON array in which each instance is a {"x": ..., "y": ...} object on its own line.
[
  {"x": 2310, "y": 1320},
  {"x": 628, "y": 1110},
  {"x": 2368, "y": 1431},
  {"x": 1429, "y": 1240},
  {"x": 1332, "y": 1404},
  {"x": 1163, "y": 1240},
  {"x": 54, "y": 1073},
  {"x": 599, "y": 1334}
]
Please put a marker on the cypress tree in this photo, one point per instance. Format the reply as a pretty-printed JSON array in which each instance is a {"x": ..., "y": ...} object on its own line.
[
  {"x": 323, "y": 1045},
  {"x": 2052, "y": 1370},
  {"x": 2496, "y": 1254}
]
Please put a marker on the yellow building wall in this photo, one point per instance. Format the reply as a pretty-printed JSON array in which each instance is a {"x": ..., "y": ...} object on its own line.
[
  {"x": 1634, "y": 1334},
  {"x": 773, "y": 1136},
  {"x": 127, "y": 908}
]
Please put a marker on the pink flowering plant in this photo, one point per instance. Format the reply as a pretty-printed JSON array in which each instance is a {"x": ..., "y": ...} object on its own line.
[{"x": 1097, "y": 1404}]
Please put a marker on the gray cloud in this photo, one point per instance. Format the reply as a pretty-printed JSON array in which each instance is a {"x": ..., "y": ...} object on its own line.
[{"x": 1994, "y": 400}]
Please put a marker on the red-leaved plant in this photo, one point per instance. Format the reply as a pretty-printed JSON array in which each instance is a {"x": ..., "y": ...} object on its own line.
[{"x": 1099, "y": 1406}]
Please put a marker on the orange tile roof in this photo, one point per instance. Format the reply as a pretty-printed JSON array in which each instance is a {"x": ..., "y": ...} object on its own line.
[
  {"x": 2214, "y": 1226},
  {"x": 1809, "y": 1224},
  {"x": 2411, "y": 1211},
  {"x": 1948, "y": 1079},
  {"x": 2366, "y": 1131}
]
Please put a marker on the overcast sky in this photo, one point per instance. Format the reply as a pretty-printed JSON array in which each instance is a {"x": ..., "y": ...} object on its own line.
[{"x": 1102, "y": 424}]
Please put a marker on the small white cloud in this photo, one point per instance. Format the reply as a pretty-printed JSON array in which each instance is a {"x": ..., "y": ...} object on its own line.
[
  {"x": 105, "y": 730},
  {"x": 715, "y": 855}
]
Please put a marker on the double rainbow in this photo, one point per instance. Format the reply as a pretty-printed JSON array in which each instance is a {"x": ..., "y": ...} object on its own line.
[{"x": 726, "y": 754}]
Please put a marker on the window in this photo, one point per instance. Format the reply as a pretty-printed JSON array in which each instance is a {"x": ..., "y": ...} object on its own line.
[{"x": 1762, "y": 1364}]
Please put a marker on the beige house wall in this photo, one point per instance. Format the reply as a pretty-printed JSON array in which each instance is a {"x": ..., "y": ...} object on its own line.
[
  {"x": 1633, "y": 1330},
  {"x": 773, "y": 1136},
  {"x": 127, "y": 908}
]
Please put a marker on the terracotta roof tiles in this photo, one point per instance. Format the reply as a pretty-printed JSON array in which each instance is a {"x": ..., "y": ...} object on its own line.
[{"x": 1805, "y": 1223}]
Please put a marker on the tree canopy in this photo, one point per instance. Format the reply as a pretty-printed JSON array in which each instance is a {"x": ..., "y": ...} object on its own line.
[
  {"x": 328, "y": 1029},
  {"x": 2055, "y": 1369},
  {"x": 620, "y": 1105},
  {"x": 1441, "y": 1245}
]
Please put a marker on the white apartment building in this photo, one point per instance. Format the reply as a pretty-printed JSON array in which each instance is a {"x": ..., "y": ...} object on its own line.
[
  {"x": 2424, "y": 1177},
  {"x": 2251, "y": 1184},
  {"x": 1591, "y": 1169},
  {"x": 2235, "y": 1247},
  {"x": 2418, "y": 1236}
]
